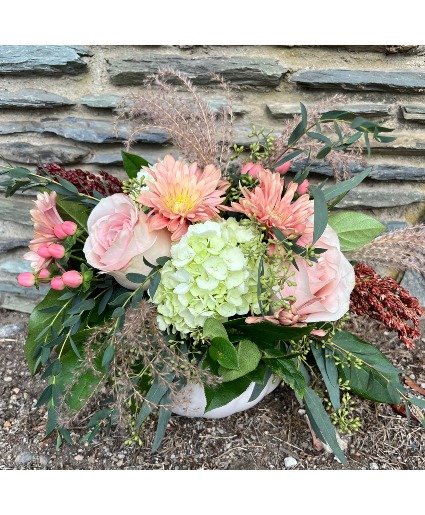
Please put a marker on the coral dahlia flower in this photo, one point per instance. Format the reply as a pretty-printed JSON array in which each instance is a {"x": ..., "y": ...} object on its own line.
[
  {"x": 181, "y": 195},
  {"x": 45, "y": 217},
  {"x": 267, "y": 205}
]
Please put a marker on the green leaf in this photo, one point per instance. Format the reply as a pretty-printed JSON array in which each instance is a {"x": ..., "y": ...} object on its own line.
[
  {"x": 164, "y": 416},
  {"x": 118, "y": 312},
  {"x": 259, "y": 387},
  {"x": 223, "y": 351},
  {"x": 345, "y": 186},
  {"x": 66, "y": 435},
  {"x": 43, "y": 322},
  {"x": 213, "y": 329},
  {"x": 265, "y": 333},
  {"x": 52, "y": 420},
  {"x": 73, "y": 211},
  {"x": 288, "y": 157},
  {"x": 225, "y": 393},
  {"x": 132, "y": 163},
  {"x": 321, "y": 423},
  {"x": 329, "y": 373},
  {"x": 323, "y": 152},
  {"x": 369, "y": 374},
  {"x": 108, "y": 355},
  {"x": 320, "y": 213},
  {"x": 18, "y": 173},
  {"x": 99, "y": 416},
  {"x": 45, "y": 396},
  {"x": 287, "y": 370},
  {"x": 248, "y": 358},
  {"x": 331, "y": 116},
  {"x": 296, "y": 134},
  {"x": 136, "y": 278},
  {"x": 319, "y": 136},
  {"x": 355, "y": 229},
  {"x": 156, "y": 392}
]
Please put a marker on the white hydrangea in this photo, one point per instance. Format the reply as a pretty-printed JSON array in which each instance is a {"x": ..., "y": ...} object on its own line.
[{"x": 213, "y": 271}]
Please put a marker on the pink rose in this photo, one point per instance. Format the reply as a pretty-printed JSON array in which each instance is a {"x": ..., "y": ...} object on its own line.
[
  {"x": 323, "y": 290},
  {"x": 119, "y": 238}
]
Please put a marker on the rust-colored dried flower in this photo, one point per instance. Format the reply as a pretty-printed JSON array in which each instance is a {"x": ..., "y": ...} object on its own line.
[
  {"x": 85, "y": 182},
  {"x": 383, "y": 299}
]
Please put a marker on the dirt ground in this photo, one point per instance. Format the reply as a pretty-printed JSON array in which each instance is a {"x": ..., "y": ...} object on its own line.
[{"x": 262, "y": 438}]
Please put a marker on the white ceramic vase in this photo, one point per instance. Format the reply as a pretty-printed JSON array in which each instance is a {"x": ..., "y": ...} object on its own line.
[{"x": 190, "y": 401}]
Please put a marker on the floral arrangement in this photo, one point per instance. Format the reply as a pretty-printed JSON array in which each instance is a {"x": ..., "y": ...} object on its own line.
[{"x": 206, "y": 279}]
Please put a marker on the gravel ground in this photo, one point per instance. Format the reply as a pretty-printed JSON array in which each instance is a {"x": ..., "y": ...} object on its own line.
[{"x": 272, "y": 435}]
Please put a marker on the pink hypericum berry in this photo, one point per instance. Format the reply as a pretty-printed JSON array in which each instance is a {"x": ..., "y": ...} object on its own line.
[
  {"x": 251, "y": 169},
  {"x": 56, "y": 251},
  {"x": 282, "y": 169},
  {"x": 44, "y": 252},
  {"x": 26, "y": 279},
  {"x": 73, "y": 279},
  {"x": 59, "y": 232},
  {"x": 303, "y": 187},
  {"x": 69, "y": 228},
  {"x": 44, "y": 274},
  {"x": 57, "y": 284}
]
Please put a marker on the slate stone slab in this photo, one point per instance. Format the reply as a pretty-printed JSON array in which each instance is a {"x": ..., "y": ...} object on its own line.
[
  {"x": 27, "y": 153},
  {"x": 40, "y": 60},
  {"x": 244, "y": 71},
  {"x": 379, "y": 172},
  {"x": 101, "y": 101},
  {"x": 16, "y": 209},
  {"x": 32, "y": 98},
  {"x": 403, "y": 81},
  {"x": 380, "y": 197},
  {"x": 82, "y": 129},
  {"x": 284, "y": 111},
  {"x": 414, "y": 113}
]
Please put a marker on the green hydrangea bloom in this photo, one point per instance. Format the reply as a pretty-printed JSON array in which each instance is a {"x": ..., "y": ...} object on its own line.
[{"x": 213, "y": 271}]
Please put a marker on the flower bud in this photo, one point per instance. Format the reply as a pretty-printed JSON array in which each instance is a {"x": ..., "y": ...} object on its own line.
[
  {"x": 282, "y": 169},
  {"x": 44, "y": 252},
  {"x": 56, "y": 251},
  {"x": 57, "y": 284},
  {"x": 69, "y": 228},
  {"x": 59, "y": 232},
  {"x": 44, "y": 274},
  {"x": 73, "y": 279},
  {"x": 26, "y": 279},
  {"x": 303, "y": 187}
]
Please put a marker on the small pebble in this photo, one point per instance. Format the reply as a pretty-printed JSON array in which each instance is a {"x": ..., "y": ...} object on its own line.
[
  {"x": 44, "y": 460},
  {"x": 120, "y": 463},
  {"x": 7, "y": 379},
  {"x": 121, "y": 456},
  {"x": 301, "y": 412},
  {"x": 16, "y": 390},
  {"x": 78, "y": 457},
  {"x": 290, "y": 462},
  {"x": 423, "y": 385},
  {"x": 373, "y": 466},
  {"x": 412, "y": 376},
  {"x": 8, "y": 330},
  {"x": 24, "y": 458}
]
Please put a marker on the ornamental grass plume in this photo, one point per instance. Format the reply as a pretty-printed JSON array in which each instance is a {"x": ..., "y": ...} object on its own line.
[
  {"x": 402, "y": 249},
  {"x": 190, "y": 122},
  {"x": 383, "y": 299},
  {"x": 266, "y": 205},
  {"x": 182, "y": 195}
]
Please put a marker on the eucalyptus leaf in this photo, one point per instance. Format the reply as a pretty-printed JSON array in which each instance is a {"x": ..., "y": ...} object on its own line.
[{"x": 132, "y": 163}]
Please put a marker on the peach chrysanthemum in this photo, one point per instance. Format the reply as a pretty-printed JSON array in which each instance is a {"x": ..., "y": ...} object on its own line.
[
  {"x": 181, "y": 195},
  {"x": 45, "y": 216},
  {"x": 266, "y": 205}
]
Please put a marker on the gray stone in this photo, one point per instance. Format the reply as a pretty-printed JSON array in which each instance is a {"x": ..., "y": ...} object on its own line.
[
  {"x": 290, "y": 462},
  {"x": 284, "y": 111},
  {"x": 101, "y": 101},
  {"x": 82, "y": 129},
  {"x": 414, "y": 113},
  {"x": 244, "y": 71},
  {"x": 27, "y": 153},
  {"x": 218, "y": 105},
  {"x": 24, "y": 458},
  {"x": 15, "y": 209},
  {"x": 12, "y": 244},
  {"x": 414, "y": 282},
  {"x": 32, "y": 98},
  {"x": 395, "y": 225},
  {"x": 379, "y": 172},
  {"x": 40, "y": 60},
  {"x": 9, "y": 330},
  {"x": 115, "y": 158},
  {"x": 380, "y": 195},
  {"x": 405, "y": 81}
]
